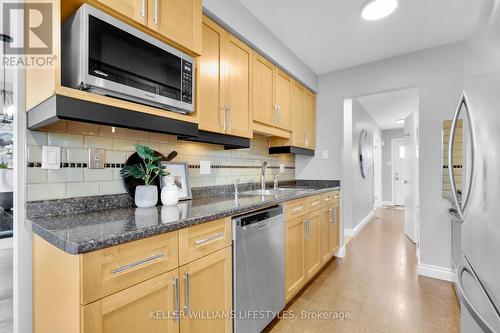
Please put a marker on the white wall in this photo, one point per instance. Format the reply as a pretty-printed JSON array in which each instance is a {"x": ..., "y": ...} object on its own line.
[
  {"x": 362, "y": 196},
  {"x": 240, "y": 21},
  {"x": 387, "y": 136},
  {"x": 438, "y": 74}
]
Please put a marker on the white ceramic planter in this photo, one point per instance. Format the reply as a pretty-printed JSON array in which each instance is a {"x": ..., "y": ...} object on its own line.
[
  {"x": 146, "y": 196},
  {"x": 169, "y": 192},
  {"x": 6, "y": 179}
]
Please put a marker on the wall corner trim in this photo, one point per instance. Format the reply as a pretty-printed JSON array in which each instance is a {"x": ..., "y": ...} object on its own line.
[
  {"x": 340, "y": 253},
  {"x": 361, "y": 224},
  {"x": 436, "y": 272}
]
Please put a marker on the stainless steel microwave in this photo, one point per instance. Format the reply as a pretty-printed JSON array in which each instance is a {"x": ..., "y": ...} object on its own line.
[{"x": 103, "y": 55}]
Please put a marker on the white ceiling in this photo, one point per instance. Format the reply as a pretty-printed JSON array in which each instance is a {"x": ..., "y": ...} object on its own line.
[
  {"x": 386, "y": 108},
  {"x": 330, "y": 34}
]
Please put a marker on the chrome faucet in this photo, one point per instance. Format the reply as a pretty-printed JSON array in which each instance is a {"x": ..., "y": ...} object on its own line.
[
  {"x": 263, "y": 176},
  {"x": 276, "y": 180},
  {"x": 236, "y": 183}
]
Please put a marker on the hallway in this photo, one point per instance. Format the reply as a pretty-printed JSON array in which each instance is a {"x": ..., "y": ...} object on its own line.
[{"x": 377, "y": 284}]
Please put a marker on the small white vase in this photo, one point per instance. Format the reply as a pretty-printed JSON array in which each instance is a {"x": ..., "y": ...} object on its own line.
[
  {"x": 146, "y": 196},
  {"x": 169, "y": 192}
]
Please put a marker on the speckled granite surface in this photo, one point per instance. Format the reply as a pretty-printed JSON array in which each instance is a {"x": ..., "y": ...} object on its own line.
[{"x": 86, "y": 232}]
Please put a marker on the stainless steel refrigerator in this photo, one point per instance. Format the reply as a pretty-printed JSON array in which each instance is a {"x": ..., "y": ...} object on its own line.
[{"x": 478, "y": 206}]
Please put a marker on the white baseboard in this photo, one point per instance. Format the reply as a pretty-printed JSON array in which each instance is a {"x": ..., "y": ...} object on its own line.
[
  {"x": 340, "y": 253},
  {"x": 361, "y": 224},
  {"x": 6, "y": 243},
  {"x": 436, "y": 272},
  {"x": 387, "y": 203}
]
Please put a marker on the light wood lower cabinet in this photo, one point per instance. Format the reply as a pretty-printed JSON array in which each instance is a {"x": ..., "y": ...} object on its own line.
[
  {"x": 146, "y": 307},
  {"x": 329, "y": 232},
  {"x": 206, "y": 291},
  {"x": 312, "y": 245},
  {"x": 295, "y": 275}
]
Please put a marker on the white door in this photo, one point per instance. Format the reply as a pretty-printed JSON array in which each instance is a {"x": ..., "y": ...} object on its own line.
[
  {"x": 399, "y": 154},
  {"x": 377, "y": 170},
  {"x": 410, "y": 175}
]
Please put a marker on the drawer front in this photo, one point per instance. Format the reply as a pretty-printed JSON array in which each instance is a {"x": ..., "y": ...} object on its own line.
[
  {"x": 313, "y": 203},
  {"x": 295, "y": 209},
  {"x": 199, "y": 240},
  {"x": 110, "y": 270},
  {"x": 330, "y": 199}
]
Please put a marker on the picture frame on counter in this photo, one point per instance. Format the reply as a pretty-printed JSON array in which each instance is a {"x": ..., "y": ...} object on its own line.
[{"x": 180, "y": 172}]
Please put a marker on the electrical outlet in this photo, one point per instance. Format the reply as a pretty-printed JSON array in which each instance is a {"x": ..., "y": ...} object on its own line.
[
  {"x": 205, "y": 167},
  {"x": 324, "y": 154},
  {"x": 96, "y": 158},
  {"x": 51, "y": 157},
  {"x": 282, "y": 167}
]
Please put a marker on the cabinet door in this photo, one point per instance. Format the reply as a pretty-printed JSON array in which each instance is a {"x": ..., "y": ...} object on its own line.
[
  {"x": 283, "y": 98},
  {"x": 133, "y": 9},
  {"x": 310, "y": 119},
  {"x": 263, "y": 87},
  {"x": 324, "y": 235},
  {"x": 333, "y": 234},
  {"x": 238, "y": 85},
  {"x": 178, "y": 20},
  {"x": 206, "y": 290},
  {"x": 298, "y": 132},
  {"x": 210, "y": 79},
  {"x": 146, "y": 307},
  {"x": 294, "y": 256},
  {"x": 312, "y": 249}
]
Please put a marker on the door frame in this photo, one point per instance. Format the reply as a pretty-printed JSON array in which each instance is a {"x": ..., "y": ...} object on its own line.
[{"x": 393, "y": 181}]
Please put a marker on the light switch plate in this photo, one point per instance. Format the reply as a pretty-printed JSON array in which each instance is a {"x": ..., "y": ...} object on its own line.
[
  {"x": 96, "y": 158},
  {"x": 51, "y": 157},
  {"x": 282, "y": 167},
  {"x": 204, "y": 167},
  {"x": 324, "y": 154}
]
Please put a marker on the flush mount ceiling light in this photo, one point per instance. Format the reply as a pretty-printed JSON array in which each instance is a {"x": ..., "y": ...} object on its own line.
[{"x": 378, "y": 9}]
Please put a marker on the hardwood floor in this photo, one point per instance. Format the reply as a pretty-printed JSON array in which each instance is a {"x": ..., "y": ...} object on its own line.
[
  {"x": 6, "y": 260},
  {"x": 377, "y": 284}
]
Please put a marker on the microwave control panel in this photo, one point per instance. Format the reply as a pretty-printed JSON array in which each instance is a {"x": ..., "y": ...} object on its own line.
[{"x": 187, "y": 82}]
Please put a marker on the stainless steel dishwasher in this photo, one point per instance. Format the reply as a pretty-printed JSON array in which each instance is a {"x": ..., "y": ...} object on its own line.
[{"x": 258, "y": 268}]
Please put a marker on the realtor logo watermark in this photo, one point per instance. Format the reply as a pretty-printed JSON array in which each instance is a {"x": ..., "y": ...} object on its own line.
[{"x": 32, "y": 46}]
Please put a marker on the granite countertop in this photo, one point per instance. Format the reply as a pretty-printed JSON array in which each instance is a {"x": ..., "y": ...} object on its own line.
[{"x": 87, "y": 232}]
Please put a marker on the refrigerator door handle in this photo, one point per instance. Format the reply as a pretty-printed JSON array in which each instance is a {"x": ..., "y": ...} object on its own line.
[
  {"x": 465, "y": 267},
  {"x": 464, "y": 101}
]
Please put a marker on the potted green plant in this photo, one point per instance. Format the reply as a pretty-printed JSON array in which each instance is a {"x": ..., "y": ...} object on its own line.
[{"x": 145, "y": 195}]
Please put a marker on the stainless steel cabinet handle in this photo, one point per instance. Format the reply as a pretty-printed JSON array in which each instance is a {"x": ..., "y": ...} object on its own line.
[
  {"x": 279, "y": 114},
  {"x": 468, "y": 304},
  {"x": 464, "y": 101},
  {"x": 315, "y": 203},
  {"x": 175, "y": 282},
  {"x": 211, "y": 238},
  {"x": 275, "y": 113},
  {"x": 230, "y": 120},
  {"x": 143, "y": 8},
  {"x": 138, "y": 263},
  {"x": 327, "y": 199},
  {"x": 155, "y": 18},
  {"x": 186, "y": 305},
  {"x": 297, "y": 209},
  {"x": 307, "y": 229},
  {"x": 333, "y": 218}
]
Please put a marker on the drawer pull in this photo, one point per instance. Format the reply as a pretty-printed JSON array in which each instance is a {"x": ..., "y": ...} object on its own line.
[
  {"x": 187, "y": 304},
  {"x": 296, "y": 209},
  {"x": 175, "y": 282},
  {"x": 208, "y": 239},
  {"x": 328, "y": 199},
  {"x": 337, "y": 196},
  {"x": 138, "y": 263},
  {"x": 315, "y": 203}
]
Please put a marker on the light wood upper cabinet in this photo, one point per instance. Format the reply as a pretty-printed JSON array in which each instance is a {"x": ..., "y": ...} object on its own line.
[
  {"x": 207, "y": 288},
  {"x": 263, "y": 91},
  {"x": 283, "y": 99},
  {"x": 298, "y": 101},
  {"x": 239, "y": 90},
  {"x": 309, "y": 117},
  {"x": 312, "y": 244},
  {"x": 224, "y": 83},
  {"x": 178, "y": 20},
  {"x": 136, "y": 10},
  {"x": 211, "y": 80},
  {"x": 295, "y": 275},
  {"x": 131, "y": 310}
]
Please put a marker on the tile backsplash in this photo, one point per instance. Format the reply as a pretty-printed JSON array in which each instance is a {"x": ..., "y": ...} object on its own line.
[{"x": 74, "y": 179}]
